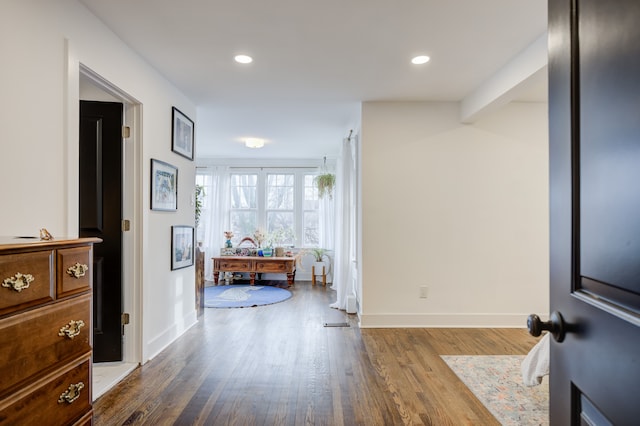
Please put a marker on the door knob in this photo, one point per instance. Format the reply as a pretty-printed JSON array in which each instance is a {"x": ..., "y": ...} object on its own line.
[{"x": 555, "y": 326}]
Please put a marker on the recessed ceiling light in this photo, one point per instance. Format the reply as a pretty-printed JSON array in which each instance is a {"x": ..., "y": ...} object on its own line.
[
  {"x": 254, "y": 143},
  {"x": 419, "y": 60},
  {"x": 243, "y": 59}
]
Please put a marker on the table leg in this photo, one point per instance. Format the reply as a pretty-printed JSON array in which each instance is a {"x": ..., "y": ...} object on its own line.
[
  {"x": 290, "y": 278},
  {"x": 252, "y": 278},
  {"x": 313, "y": 275},
  {"x": 215, "y": 277}
]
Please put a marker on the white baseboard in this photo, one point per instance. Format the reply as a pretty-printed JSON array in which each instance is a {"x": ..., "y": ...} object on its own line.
[
  {"x": 167, "y": 337},
  {"x": 443, "y": 320}
]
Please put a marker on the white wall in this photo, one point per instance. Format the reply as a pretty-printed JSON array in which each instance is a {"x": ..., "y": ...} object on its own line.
[
  {"x": 43, "y": 43},
  {"x": 461, "y": 209}
]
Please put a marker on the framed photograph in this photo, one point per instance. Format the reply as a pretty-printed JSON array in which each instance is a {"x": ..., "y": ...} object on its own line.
[
  {"x": 164, "y": 186},
  {"x": 182, "y": 132},
  {"x": 181, "y": 246}
]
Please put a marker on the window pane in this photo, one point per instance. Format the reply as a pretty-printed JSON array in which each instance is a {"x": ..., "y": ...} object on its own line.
[
  {"x": 311, "y": 234},
  {"x": 244, "y": 191},
  {"x": 280, "y": 191},
  {"x": 311, "y": 201},
  {"x": 280, "y": 225},
  {"x": 243, "y": 224}
]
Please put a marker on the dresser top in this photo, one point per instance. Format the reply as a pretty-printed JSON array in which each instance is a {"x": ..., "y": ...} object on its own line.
[{"x": 9, "y": 243}]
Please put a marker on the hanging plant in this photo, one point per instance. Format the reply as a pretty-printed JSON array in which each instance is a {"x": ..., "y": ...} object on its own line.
[{"x": 325, "y": 183}]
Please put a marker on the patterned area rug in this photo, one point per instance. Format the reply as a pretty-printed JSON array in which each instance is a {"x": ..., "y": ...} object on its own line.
[
  {"x": 497, "y": 382},
  {"x": 243, "y": 296}
]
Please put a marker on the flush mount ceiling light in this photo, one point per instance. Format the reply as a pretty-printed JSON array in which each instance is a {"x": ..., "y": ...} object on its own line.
[
  {"x": 243, "y": 59},
  {"x": 419, "y": 60},
  {"x": 254, "y": 143}
]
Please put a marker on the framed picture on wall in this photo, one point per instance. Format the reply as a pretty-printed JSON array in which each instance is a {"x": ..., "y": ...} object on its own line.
[
  {"x": 182, "y": 131},
  {"x": 181, "y": 246},
  {"x": 164, "y": 186}
]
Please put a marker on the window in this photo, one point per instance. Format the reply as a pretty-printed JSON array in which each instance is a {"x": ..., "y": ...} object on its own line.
[
  {"x": 280, "y": 211},
  {"x": 244, "y": 205},
  {"x": 284, "y": 203},
  {"x": 310, "y": 216}
]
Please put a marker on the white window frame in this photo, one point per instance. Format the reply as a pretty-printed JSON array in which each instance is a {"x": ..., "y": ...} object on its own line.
[{"x": 298, "y": 205}]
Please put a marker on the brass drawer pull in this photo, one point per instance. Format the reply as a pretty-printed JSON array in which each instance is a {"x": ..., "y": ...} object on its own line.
[
  {"x": 78, "y": 270},
  {"x": 71, "y": 394},
  {"x": 72, "y": 329},
  {"x": 18, "y": 282}
]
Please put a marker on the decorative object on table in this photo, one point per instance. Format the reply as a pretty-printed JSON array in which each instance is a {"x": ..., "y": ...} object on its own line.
[
  {"x": 164, "y": 186},
  {"x": 496, "y": 381},
  {"x": 199, "y": 195},
  {"x": 247, "y": 240},
  {"x": 182, "y": 131},
  {"x": 259, "y": 236},
  {"x": 267, "y": 251},
  {"x": 238, "y": 251},
  {"x": 45, "y": 235},
  {"x": 181, "y": 246},
  {"x": 228, "y": 235},
  {"x": 325, "y": 182},
  {"x": 243, "y": 296},
  {"x": 227, "y": 251},
  {"x": 281, "y": 237}
]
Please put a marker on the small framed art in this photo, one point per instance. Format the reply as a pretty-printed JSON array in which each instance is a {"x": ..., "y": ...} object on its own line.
[
  {"x": 181, "y": 246},
  {"x": 164, "y": 186},
  {"x": 182, "y": 131}
]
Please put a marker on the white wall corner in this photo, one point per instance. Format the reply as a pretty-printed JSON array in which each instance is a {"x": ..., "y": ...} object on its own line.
[{"x": 527, "y": 68}]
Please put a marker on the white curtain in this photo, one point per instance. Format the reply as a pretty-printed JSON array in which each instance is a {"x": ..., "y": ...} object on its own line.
[
  {"x": 327, "y": 228},
  {"x": 215, "y": 218},
  {"x": 345, "y": 270}
]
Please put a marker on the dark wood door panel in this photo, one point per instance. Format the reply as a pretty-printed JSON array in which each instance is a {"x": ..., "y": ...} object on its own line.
[
  {"x": 101, "y": 216},
  {"x": 594, "y": 99}
]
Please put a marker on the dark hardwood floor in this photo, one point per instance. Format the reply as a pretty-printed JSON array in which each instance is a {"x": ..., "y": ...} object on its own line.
[{"x": 278, "y": 365}]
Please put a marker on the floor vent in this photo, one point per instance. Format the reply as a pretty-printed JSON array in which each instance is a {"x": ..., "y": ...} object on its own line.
[{"x": 336, "y": 324}]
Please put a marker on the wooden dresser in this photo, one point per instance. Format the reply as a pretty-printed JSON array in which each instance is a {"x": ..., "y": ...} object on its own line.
[
  {"x": 255, "y": 265},
  {"x": 45, "y": 331}
]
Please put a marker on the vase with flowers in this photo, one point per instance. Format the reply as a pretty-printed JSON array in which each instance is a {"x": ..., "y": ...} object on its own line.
[
  {"x": 259, "y": 237},
  {"x": 228, "y": 235}
]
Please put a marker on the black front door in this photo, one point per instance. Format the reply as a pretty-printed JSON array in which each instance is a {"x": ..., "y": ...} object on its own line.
[
  {"x": 594, "y": 123},
  {"x": 101, "y": 216}
]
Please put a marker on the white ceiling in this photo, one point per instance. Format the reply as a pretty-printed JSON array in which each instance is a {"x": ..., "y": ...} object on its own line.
[{"x": 315, "y": 61}]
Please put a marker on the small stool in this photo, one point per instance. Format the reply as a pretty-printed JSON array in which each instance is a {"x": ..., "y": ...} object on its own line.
[{"x": 313, "y": 276}]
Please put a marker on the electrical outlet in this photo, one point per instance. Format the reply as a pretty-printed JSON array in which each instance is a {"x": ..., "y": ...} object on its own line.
[{"x": 424, "y": 291}]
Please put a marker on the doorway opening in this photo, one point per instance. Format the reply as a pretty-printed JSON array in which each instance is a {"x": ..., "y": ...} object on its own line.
[{"x": 94, "y": 88}]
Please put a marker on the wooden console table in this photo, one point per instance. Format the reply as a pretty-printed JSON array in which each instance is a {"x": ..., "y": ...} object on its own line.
[{"x": 253, "y": 265}]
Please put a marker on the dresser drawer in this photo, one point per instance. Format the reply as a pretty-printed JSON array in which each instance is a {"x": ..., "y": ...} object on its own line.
[
  {"x": 26, "y": 280},
  {"x": 31, "y": 341},
  {"x": 45, "y": 403},
  {"x": 283, "y": 266},
  {"x": 239, "y": 265},
  {"x": 74, "y": 270}
]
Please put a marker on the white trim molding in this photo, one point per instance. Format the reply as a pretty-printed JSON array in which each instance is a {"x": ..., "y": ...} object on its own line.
[{"x": 443, "y": 321}]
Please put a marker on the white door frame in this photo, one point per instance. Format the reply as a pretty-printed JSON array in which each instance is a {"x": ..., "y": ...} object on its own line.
[{"x": 131, "y": 204}]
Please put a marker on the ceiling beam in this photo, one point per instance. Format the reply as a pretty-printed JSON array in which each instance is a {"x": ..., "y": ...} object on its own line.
[{"x": 529, "y": 66}]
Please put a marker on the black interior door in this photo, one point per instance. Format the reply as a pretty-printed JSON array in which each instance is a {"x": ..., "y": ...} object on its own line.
[
  {"x": 594, "y": 122},
  {"x": 101, "y": 216}
]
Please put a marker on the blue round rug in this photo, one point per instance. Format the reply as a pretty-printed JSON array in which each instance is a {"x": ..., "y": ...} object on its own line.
[{"x": 243, "y": 296}]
